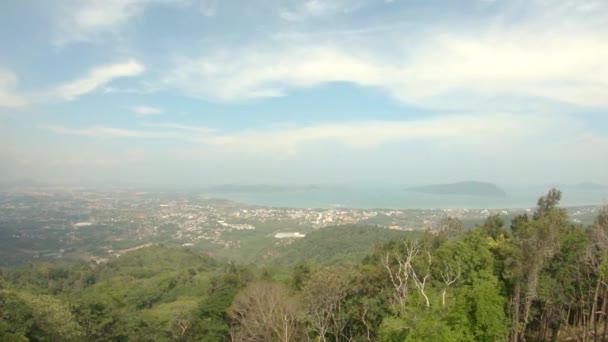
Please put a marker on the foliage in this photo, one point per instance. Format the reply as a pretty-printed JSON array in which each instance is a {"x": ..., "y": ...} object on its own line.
[{"x": 337, "y": 245}]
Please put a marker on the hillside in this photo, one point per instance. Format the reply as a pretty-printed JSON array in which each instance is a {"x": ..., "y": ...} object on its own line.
[
  {"x": 147, "y": 292},
  {"x": 332, "y": 245},
  {"x": 462, "y": 188}
]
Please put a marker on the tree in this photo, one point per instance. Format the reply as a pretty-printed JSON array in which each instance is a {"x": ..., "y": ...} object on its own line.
[
  {"x": 16, "y": 319},
  {"x": 450, "y": 226},
  {"x": 598, "y": 256},
  {"x": 369, "y": 300},
  {"x": 181, "y": 324},
  {"x": 430, "y": 329},
  {"x": 398, "y": 264},
  {"x": 53, "y": 318},
  {"x": 98, "y": 320},
  {"x": 483, "y": 306},
  {"x": 211, "y": 320},
  {"x": 323, "y": 296},
  {"x": 300, "y": 273},
  {"x": 564, "y": 283},
  {"x": 264, "y": 312},
  {"x": 548, "y": 202},
  {"x": 537, "y": 241},
  {"x": 449, "y": 276},
  {"x": 494, "y": 227}
]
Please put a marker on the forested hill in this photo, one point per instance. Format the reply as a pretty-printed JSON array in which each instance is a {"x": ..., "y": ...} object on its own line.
[
  {"x": 543, "y": 278},
  {"x": 346, "y": 244},
  {"x": 138, "y": 296}
]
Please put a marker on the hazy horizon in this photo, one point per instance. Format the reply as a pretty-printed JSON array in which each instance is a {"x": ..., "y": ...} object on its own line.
[
  {"x": 347, "y": 195},
  {"x": 177, "y": 185}
]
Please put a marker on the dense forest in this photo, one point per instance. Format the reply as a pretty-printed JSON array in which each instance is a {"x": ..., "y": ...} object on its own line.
[{"x": 541, "y": 278}]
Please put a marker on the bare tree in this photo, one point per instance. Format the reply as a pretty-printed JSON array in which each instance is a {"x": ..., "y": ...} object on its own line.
[
  {"x": 367, "y": 326},
  {"x": 264, "y": 312},
  {"x": 400, "y": 273},
  {"x": 449, "y": 275},
  {"x": 181, "y": 324},
  {"x": 400, "y": 267},
  {"x": 420, "y": 278}
]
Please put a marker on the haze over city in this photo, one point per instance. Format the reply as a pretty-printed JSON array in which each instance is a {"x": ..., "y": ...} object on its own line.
[{"x": 304, "y": 92}]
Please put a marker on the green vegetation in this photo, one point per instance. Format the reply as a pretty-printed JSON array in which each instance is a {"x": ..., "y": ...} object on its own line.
[
  {"x": 542, "y": 278},
  {"x": 336, "y": 245},
  {"x": 326, "y": 246},
  {"x": 249, "y": 245}
]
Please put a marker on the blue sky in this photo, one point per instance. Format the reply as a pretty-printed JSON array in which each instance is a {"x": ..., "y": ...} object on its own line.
[{"x": 311, "y": 91}]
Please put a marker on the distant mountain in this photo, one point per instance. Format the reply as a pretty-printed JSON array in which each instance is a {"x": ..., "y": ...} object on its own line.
[{"x": 462, "y": 188}]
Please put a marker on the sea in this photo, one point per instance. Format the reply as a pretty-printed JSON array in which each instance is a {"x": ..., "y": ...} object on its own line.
[{"x": 394, "y": 197}]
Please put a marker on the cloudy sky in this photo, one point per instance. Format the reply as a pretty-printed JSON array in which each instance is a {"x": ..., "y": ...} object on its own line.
[{"x": 309, "y": 91}]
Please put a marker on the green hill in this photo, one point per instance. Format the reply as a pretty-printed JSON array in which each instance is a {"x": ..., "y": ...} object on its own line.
[
  {"x": 337, "y": 244},
  {"x": 141, "y": 293}
]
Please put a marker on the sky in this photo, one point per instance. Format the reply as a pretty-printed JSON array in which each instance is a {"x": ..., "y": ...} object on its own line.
[{"x": 204, "y": 92}]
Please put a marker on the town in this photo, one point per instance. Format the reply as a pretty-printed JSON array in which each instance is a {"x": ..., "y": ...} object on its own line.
[{"x": 95, "y": 225}]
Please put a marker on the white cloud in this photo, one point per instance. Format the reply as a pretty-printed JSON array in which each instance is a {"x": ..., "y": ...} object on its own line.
[
  {"x": 146, "y": 110},
  {"x": 8, "y": 97},
  {"x": 79, "y": 21},
  {"x": 82, "y": 20},
  {"x": 98, "y": 77},
  {"x": 441, "y": 67},
  {"x": 85, "y": 20},
  {"x": 258, "y": 74},
  {"x": 559, "y": 67}
]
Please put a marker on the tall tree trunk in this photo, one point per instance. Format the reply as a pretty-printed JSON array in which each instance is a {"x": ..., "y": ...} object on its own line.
[
  {"x": 605, "y": 310},
  {"x": 541, "y": 327},
  {"x": 585, "y": 323},
  {"x": 532, "y": 283},
  {"x": 526, "y": 314},
  {"x": 515, "y": 308},
  {"x": 594, "y": 309}
]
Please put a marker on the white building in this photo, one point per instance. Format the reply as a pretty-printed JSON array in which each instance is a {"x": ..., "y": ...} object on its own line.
[{"x": 288, "y": 235}]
